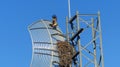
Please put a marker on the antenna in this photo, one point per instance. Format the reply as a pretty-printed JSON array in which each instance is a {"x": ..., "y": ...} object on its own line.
[{"x": 69, "y": 10}]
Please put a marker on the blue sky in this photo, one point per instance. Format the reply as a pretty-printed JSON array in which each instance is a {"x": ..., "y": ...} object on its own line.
[{"x": 16, "y": 15}]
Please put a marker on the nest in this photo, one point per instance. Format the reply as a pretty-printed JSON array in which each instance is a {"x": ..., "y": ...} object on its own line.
[{"x": 66, "y": 52}]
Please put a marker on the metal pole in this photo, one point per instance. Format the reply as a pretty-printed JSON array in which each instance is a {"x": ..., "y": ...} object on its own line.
[
  {"x": 67, "y": 31},
  {"x": 94, "y": 45},
  {"x": 69, "y": 12},
  {"x": 79, "y": 45},
  {"x": 101, "y": 49}
]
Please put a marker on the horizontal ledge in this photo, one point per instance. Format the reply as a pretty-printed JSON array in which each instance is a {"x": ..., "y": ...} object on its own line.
[
  {"x": 44, "y": 43},
  {"x": 88, "y": 14},
  {"x": 45, "y": 54},
  {"x": 45, "y": 28},
  {"x": 45, "y": 49},
  {"x": 59, "y": 35},
  {"x": 40, "y": 28}
]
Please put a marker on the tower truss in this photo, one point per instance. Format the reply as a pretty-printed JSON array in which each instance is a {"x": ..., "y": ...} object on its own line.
[{"x": 84, "y": 32}]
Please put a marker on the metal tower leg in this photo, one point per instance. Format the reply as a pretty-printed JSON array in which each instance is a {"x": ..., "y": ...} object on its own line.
[
  {"x": 79, "y": 45},
  {"x": 67, "y": 31},
  {"x": 101, "y": 49},
  {"x": 94, "y": 42}
]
